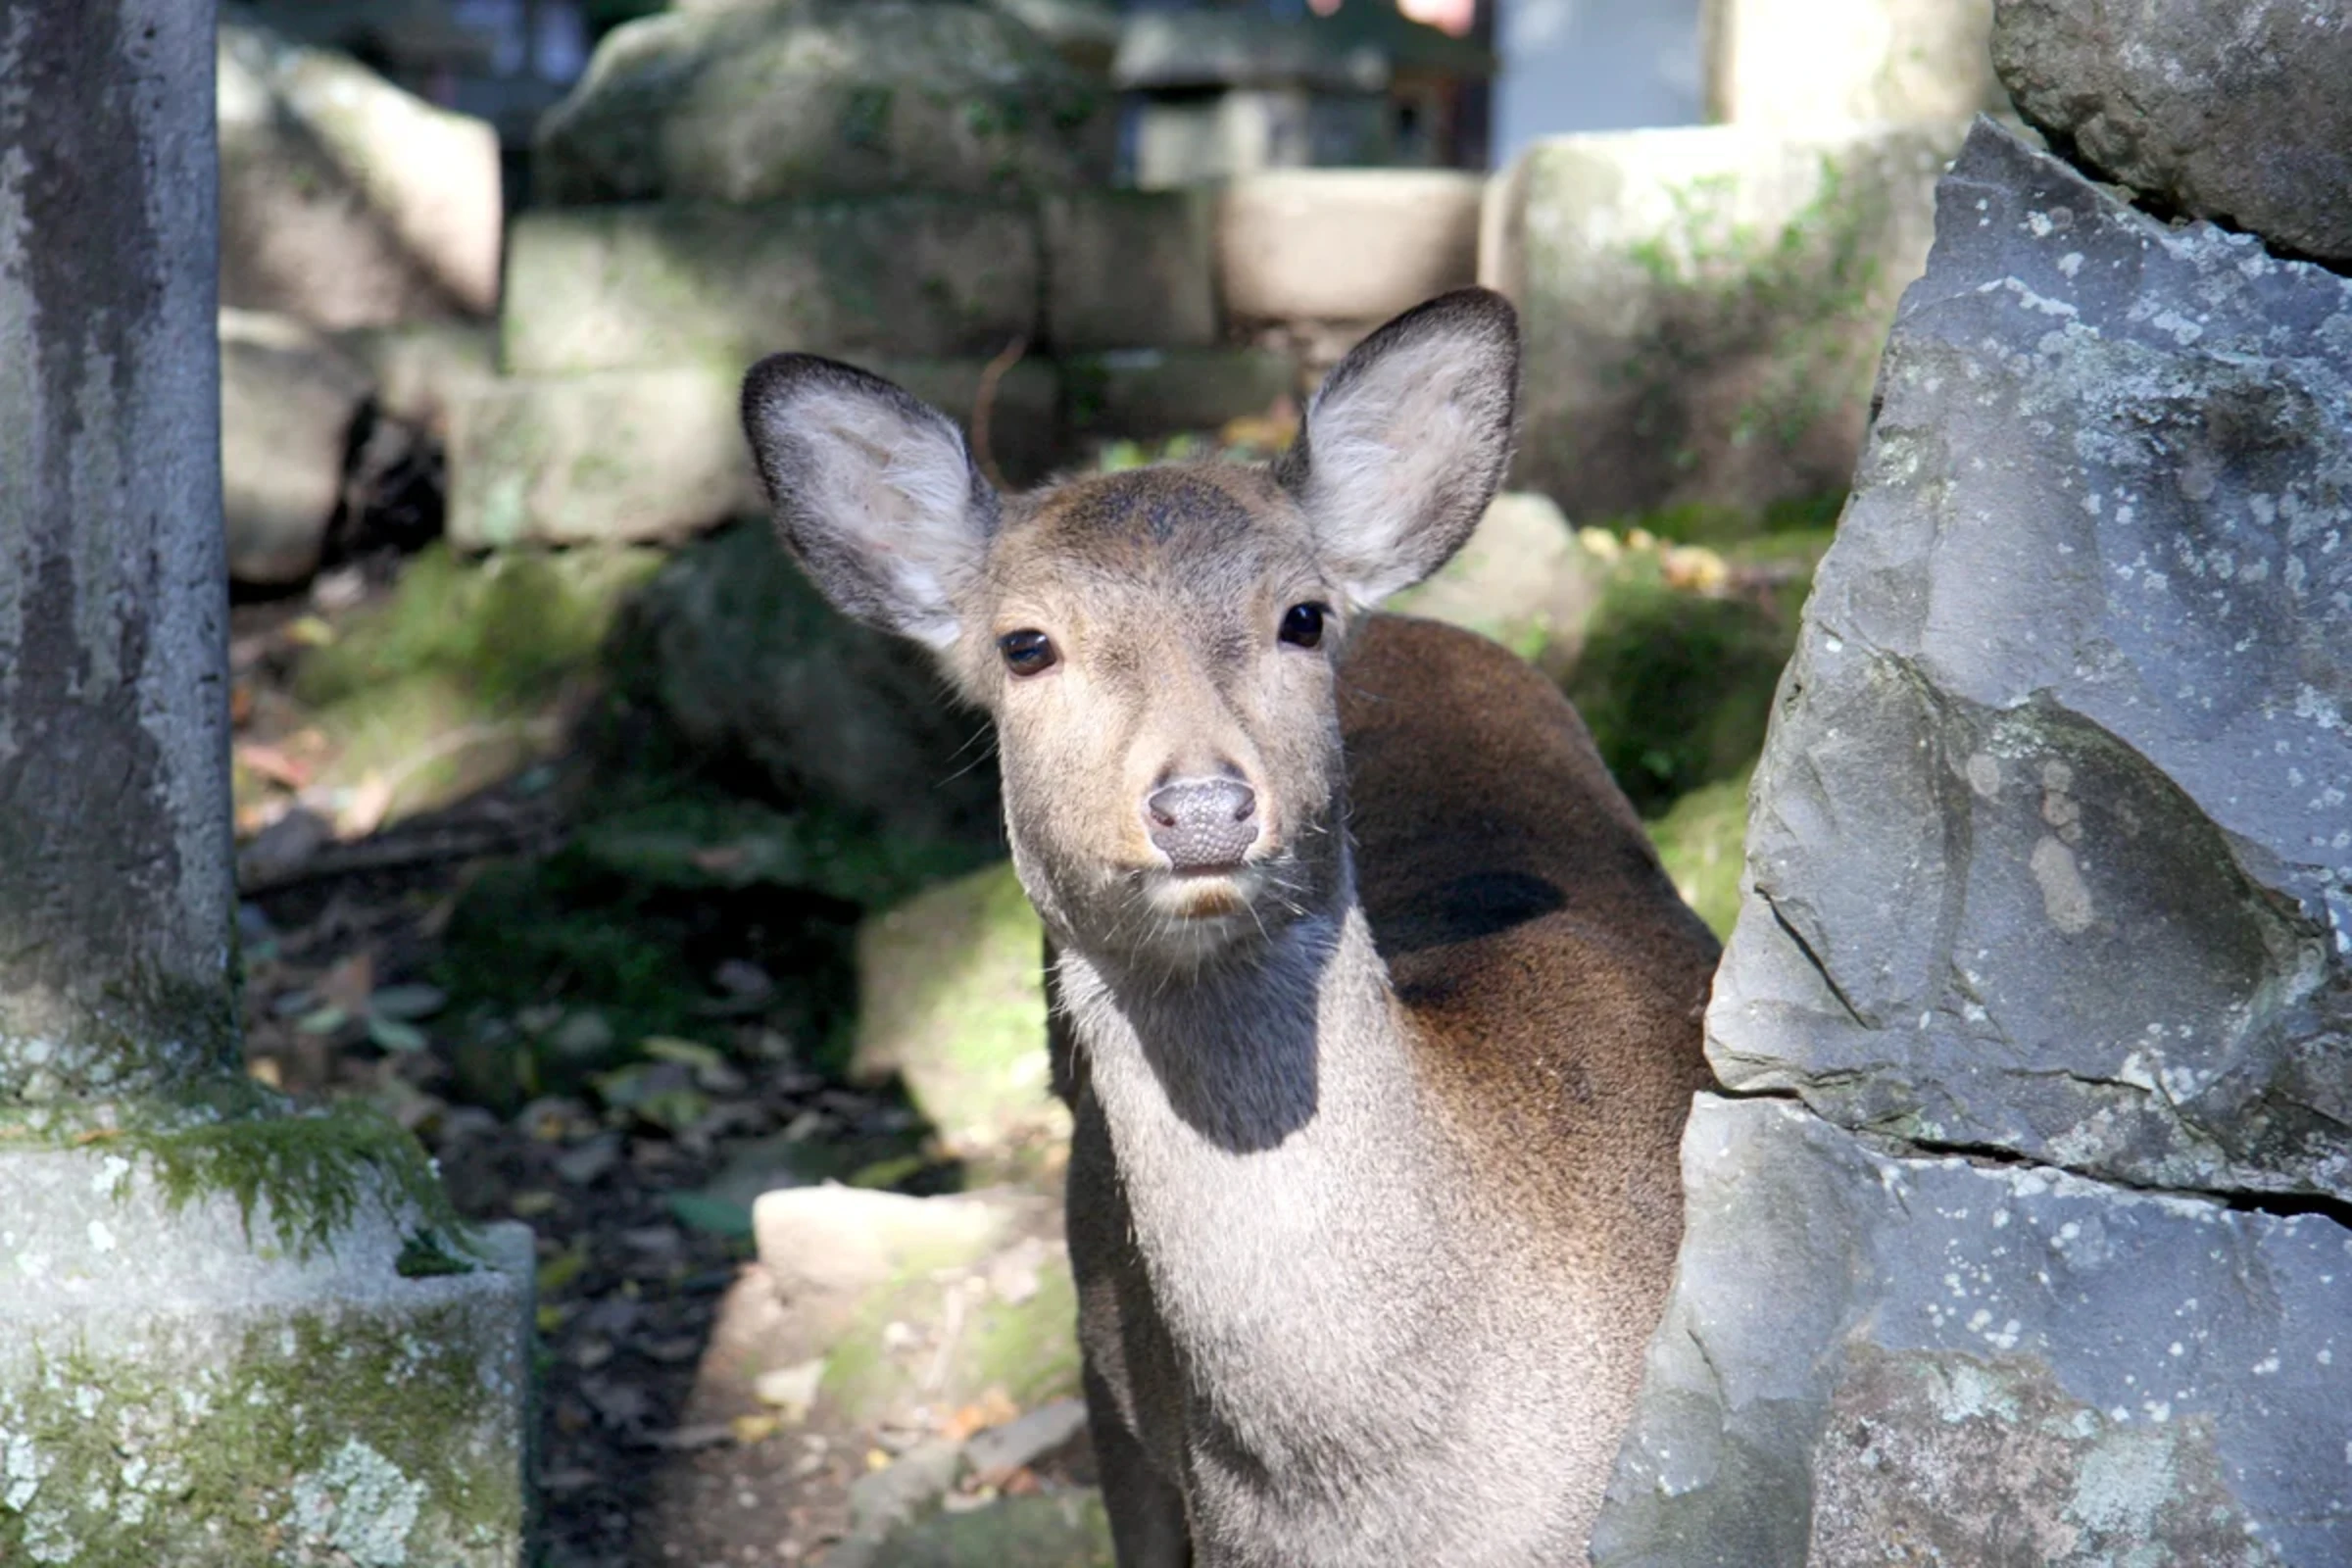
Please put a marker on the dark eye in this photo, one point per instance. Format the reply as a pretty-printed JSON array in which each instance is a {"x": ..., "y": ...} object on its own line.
[
  {"x": 1303, "y": 625},
  {"x": 1028, "y": 653}
]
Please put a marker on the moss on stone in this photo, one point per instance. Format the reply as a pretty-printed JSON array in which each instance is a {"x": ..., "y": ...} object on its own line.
[
  {"x": 1027, "y": 1349},
  {"x": 309, "y": 1171},
  {"x": 952, "y": 999},
  {"x": 327, "y": 1435}
]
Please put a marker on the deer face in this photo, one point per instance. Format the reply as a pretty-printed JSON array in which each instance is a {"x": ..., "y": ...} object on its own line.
[{"x": 1157, "y": 647}]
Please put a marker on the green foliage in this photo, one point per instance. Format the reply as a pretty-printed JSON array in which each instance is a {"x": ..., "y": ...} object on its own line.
[
  {"x": 1702, "y": 839},
  {"x": 1675, "y": 686},
  {"x": 512, "y": 627}
]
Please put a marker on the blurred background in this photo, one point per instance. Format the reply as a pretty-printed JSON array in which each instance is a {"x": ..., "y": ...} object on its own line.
[{"x": 576, "y": 832}]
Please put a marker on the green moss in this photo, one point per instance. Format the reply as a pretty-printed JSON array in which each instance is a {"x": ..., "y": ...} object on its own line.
[
  {"x": 1677, "y": 687},
  {"x": 313, "y": 1169},
  {"x": 1029, "y": 1348},
  {"x": 327, "y": 1435},
  {"x": 510, "y": 628},
  {"x": 1043, "y": 1530},
  {"x": 1702, "y": 839},
  {"x": 952, "y": 999}
]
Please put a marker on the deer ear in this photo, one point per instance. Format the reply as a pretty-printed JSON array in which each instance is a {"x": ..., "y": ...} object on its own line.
[
  {"x": 1407, "y": 440},
  {"x": 872, "y": 491}
]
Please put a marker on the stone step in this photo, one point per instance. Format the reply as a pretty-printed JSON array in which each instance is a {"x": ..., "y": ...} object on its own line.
[
  {"x": 604, "y": 288},
  {"x": 658, "y": 454}
]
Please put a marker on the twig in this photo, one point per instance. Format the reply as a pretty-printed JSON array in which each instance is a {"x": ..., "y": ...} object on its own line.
[{"x": 984, "y": 406}]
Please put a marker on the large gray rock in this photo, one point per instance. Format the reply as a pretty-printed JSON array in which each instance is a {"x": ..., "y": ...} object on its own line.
[
  {"x": 759, "y": 103},
  {"x": 605, "y": 288},
  {"x": 2237, "y": 113},
  {"x": 1870, "y": 1352},
  {"x": 2053, "y": 851},
  {"x": 1129, "y": 269},
  {"x": 344, "y": 200},
  {"x": 1703, "y": 307},
  {"x": 739, "y": 652},
  {"x": 646, "y": 454},
  {"x": 290, "y": 399},
  {"x": 1810, "y": 62}
]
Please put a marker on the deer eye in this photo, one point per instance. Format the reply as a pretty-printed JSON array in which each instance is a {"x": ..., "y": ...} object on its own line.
[
  {"x": 1028, "y": 653},
  {"x": 1303, "y": 625}
]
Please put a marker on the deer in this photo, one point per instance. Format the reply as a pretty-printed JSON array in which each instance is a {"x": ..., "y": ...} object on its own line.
[{"x": 1377, "y": 1015}]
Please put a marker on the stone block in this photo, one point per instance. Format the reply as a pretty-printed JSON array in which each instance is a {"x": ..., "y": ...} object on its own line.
[
  {"x": 290, "y": 400},
  {"x": 1140, "y": 393},
  {"x": 2052, "y": 853},
  {"x": 1522, "y": 578},
  {"x": 646, "y": 455},
  {"x": 344, "y": 200},
  {"x": 952, "y": 1003},
  {"x": 645, "y": 286},
  {"x": 1985, "y": 1363},
  {"x": 783, "y": 101},
  {"x": 1353, "y": 245},
  {"x": 1796, "y": 63},
  {"x": 254, "y": 1342},
  {"x": 1129, "y": 269},
  {"x": 1703, "y": 307},
  {"x": 421, "y": 367},
  {"x": 2235, "y": 113}
]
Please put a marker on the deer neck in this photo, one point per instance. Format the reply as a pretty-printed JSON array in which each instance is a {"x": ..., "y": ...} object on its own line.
[{"x": 1277, "y": 1164}]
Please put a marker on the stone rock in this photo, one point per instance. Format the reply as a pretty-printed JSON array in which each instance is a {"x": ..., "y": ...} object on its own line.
[
  {"x": 1792, "y": 63},
  {"x": 2235, "y": 113},
  {"x": 2052, "y": 853},
  {"x": 926, "y": 1302},
  {"x": 1346, "y": 245},
  {"x": 646, "y": 454},
  {"x": 1703, "y": 307},
  {"x": 1043, "y": 1530},
  {"x": 952, "y": 1002},
  {"x": 1129, "y": 269},
  {"x": 650, "y": 285},
  {"x": 1984, "y": 1363},
  {"x": 421, "y": 367},
  {"x": 1522, "y": 578},
  {"x": 252, "y": 1342},
  {"x": 1140, "y": 393},
  {"x": 344, "y": 200},
  {"x": 738, "y": 652},
  {"x": 290, "y": 405},
  {"x": 999, "y": 1451},
  {"x": 763, "y": 102}
]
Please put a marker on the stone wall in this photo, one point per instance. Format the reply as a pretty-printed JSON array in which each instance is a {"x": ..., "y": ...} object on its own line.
[{"x": 2029, "y": 1240}]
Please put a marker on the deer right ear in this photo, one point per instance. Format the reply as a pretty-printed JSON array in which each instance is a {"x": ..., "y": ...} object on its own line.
[{"x": 873, "y": 491}]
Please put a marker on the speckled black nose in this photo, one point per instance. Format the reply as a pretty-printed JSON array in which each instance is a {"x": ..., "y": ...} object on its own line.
[{"x": 1202, "y": 825}]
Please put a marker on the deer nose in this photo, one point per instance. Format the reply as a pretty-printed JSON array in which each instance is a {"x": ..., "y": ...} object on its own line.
[{"x": 1202, "y": 825}]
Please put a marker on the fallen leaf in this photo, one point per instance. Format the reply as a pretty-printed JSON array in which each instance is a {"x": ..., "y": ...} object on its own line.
[
  {"x": 365, "y": 809},
  {"x": 272, "y": 764},
  {"x": 416, "y": 999},
  {"x": 752, "y": 1429},
  {"x": 349, "y": 983},
  {"x": 391, "y": 1034},
  {"x": 311, "y": 632},
  {"x": 792, "y": 1390}
]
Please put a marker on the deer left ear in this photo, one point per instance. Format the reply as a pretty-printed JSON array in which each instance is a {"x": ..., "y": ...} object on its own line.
[{"x": 1408, "y": 441}]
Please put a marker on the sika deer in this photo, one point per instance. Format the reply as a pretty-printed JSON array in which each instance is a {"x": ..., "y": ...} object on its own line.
[{"x": 1374, "y": 1196}]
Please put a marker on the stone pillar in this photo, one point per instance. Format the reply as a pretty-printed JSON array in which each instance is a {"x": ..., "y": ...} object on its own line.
[
  {"x": 2031, "y": 1239},
  {"x": 1794, "y": 63},
  {"x": 228, "y": 1334}
]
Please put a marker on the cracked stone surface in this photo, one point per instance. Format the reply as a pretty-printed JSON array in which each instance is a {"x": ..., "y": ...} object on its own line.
[
  {"x": 2234, "y": 111},
  {"x": 1889, "y": 1358},
  {"x": 2053, "y": 851}
]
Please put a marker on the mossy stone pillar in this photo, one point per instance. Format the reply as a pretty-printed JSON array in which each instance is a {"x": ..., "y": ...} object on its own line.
[{"x": 229, "y": 1334}]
